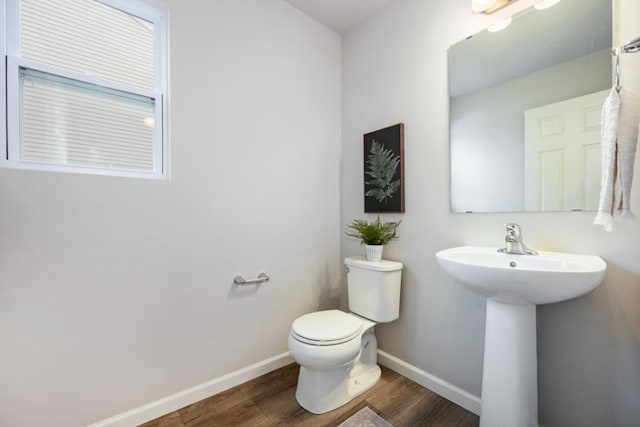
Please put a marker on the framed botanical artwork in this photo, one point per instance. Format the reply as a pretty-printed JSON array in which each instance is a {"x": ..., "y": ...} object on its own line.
[{"x": 384, "y": 170}]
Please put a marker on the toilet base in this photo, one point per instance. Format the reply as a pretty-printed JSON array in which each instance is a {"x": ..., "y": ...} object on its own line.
[{"x": 321, "y": 390}]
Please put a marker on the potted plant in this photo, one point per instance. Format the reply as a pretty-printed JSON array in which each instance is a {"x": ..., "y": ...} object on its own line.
[{"x": 374, "y": 235}]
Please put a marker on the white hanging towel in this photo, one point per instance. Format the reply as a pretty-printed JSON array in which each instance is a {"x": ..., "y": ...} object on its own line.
[
  {"x": 609, "y": 129},
  {"x": 628, "y": 121},
  {"x": 620, "y": 118}
]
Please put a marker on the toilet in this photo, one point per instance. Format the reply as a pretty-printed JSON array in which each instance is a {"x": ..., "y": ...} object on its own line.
[{"x": 337, "y": 351}]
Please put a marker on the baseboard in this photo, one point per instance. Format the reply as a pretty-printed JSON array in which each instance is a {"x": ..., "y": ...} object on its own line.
[
  {"x": 171, "y": 403},
  {"x": 449, "y": 391},
  {"x": 168, "y": 404}
]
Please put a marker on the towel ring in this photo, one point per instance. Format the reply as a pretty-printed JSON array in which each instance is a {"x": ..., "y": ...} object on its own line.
[{"x": 632, "y": 47}]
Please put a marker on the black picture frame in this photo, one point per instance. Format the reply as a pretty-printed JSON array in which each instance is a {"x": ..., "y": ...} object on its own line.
[{"x": 384, "y": 170}]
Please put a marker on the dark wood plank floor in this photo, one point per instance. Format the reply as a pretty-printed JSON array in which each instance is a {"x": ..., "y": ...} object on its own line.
[{"x": 270, "y": 401}]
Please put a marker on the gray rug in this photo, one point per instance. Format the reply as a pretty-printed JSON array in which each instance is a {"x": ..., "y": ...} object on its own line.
[{"x": 365, "y": 417}]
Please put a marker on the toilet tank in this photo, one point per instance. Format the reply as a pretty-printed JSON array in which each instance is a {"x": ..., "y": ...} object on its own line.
[{"x": 374, "y": 288}]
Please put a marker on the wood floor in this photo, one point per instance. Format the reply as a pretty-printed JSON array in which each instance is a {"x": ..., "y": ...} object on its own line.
[{"x": 270, "y": 400}]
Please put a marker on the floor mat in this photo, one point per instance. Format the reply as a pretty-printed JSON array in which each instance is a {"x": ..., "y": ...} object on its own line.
[{"x": 365, "y": 418}]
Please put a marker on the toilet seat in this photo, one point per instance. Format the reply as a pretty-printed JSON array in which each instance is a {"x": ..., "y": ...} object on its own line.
[{"x": 323, "y": 328}]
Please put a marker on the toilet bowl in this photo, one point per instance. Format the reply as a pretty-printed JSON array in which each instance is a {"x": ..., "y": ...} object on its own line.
[
  {"x": 337, "y": 351},
  {"x": 337, "y": 368}
]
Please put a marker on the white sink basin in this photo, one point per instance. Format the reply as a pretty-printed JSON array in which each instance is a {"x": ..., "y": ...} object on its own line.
[
  {"x": 514, "y": 284},
  {"x": 535, "y": 279}
]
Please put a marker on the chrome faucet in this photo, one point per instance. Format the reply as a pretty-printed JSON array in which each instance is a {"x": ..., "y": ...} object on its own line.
[{"x": 514, "y": 242}]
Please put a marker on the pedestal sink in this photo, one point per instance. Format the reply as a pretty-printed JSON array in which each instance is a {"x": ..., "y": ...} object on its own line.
[{"x": 514, "y": 284}]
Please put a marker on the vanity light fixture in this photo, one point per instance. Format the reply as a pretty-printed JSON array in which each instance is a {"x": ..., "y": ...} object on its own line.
[
  {"x": 545, "y": 4},
  {"x": 499, "y": 26},
  {"x": 478, "y": 6},
  {"x": 488, "y": 6}
]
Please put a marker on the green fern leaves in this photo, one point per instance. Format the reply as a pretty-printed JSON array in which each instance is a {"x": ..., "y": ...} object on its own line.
[
  {"x": 373, "y": 233},
  {"x": 381, "y": 169}
]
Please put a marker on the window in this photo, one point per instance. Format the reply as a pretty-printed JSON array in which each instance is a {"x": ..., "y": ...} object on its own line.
[{"x": 85, "y": 87}]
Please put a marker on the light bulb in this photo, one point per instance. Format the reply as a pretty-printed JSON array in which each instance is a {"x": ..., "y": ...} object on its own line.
[{"x": 481, "y": 5}]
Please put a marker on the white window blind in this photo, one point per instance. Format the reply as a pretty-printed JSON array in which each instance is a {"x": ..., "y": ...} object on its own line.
[
  {"x": 67, "y": 122},
  {"x": 86, "y": 84},
  {"x": 88, "y": 37}
]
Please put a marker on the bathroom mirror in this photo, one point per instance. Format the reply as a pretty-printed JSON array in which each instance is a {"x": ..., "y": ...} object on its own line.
[{"x": 525, "y": 108}]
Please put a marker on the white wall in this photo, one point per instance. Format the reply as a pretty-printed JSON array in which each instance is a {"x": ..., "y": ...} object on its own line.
[
  {"x": 394, "y": 70},
  {"x": 116, "y": 292}
]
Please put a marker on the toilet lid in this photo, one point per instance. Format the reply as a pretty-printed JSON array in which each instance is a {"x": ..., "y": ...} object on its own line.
[{"x": 326, "y": 327}]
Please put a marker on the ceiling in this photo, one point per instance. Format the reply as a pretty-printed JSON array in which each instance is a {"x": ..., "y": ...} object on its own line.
[{"x": 339, "y": 15}]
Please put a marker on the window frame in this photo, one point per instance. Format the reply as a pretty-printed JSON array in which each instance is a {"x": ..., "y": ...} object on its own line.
[{"x": 10, "y": 106}]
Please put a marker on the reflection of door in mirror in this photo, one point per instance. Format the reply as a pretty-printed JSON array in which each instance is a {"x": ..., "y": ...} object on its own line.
[{"x": 562, "y": 154}]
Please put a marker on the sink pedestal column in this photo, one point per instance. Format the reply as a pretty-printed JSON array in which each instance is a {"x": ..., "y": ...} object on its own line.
[{"x": 509, "y": 377}]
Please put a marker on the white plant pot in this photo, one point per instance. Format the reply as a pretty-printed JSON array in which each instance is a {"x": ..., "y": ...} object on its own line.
[{"x": 374, "y": 252}]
